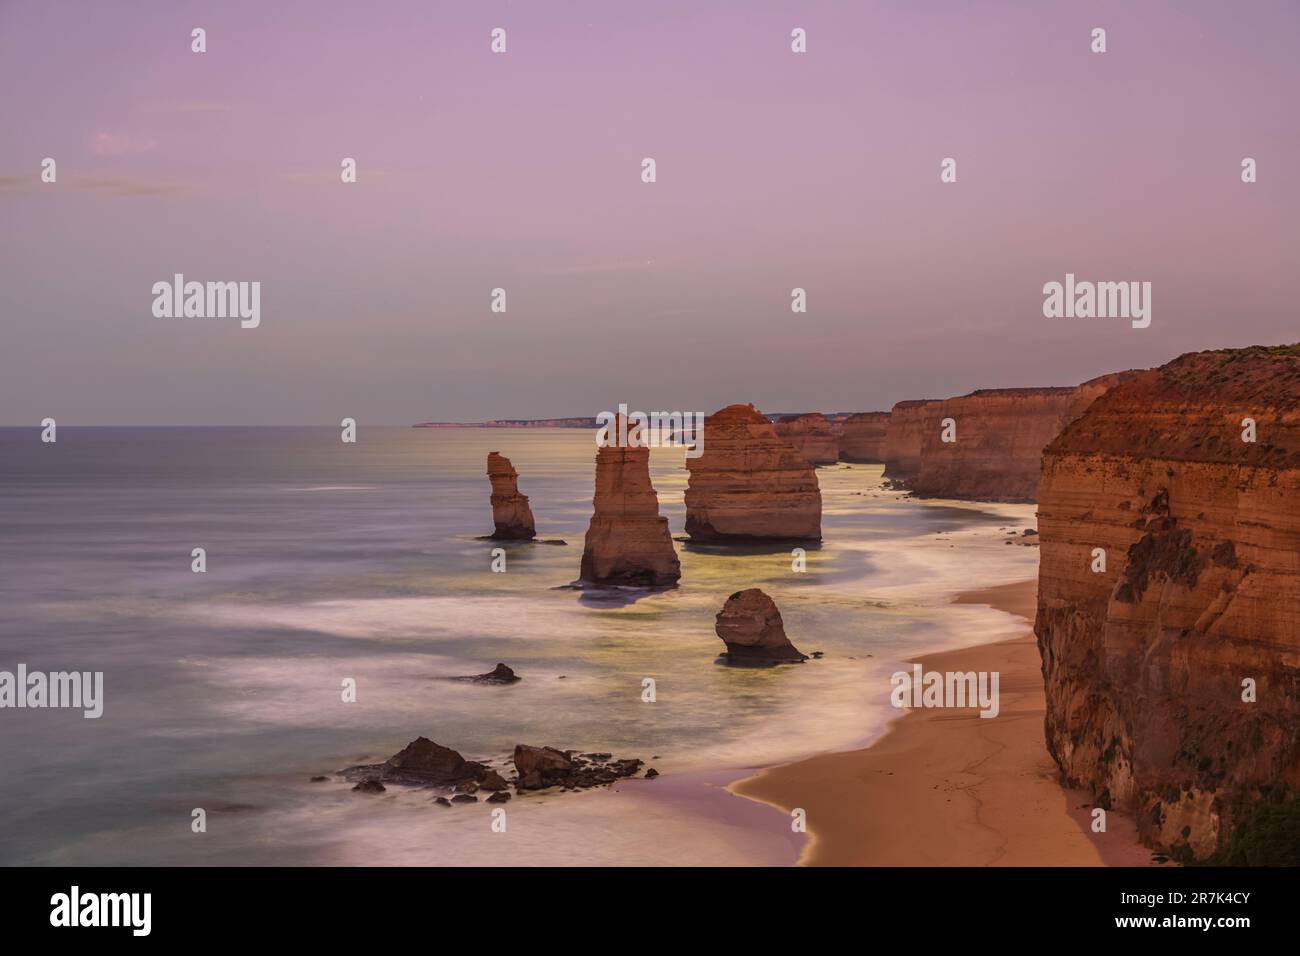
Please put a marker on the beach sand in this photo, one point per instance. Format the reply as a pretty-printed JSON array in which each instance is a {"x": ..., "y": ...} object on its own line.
[{"x": 945, "y": 787}]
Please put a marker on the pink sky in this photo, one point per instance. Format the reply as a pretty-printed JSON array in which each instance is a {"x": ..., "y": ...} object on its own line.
[{"x": 522, "y": 171}]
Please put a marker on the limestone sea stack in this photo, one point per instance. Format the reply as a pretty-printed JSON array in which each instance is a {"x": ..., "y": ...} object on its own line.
[
  {"x": 1172, "y": 670},
  {"x": 750, "y": 484},
  {"x": 628, "y": 542},
  {"x": 510, "y": 512},
  {"x": 903, "y": 440},
  {"x": 1000, "y": 436},
  {"x": 811, "y": 436},
  {"x": 751, "y": 627},
  {"x": 862, "y": 438}
]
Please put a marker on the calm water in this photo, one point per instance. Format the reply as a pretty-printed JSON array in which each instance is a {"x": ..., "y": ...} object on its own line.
[{"x": 329, "y": 561}]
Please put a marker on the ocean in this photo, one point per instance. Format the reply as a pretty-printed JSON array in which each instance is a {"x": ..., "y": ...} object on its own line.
[{"x": 329, "y": 561}]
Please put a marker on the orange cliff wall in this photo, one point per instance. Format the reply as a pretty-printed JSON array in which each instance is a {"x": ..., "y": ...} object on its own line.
[
  {"x": 903, "y": 439},
  {"x": 1144, "y": 662},
  {"x": 862, "y": 437},
  {"x": 1001, "y": 434},
  {"x": 811, "y": 436}
]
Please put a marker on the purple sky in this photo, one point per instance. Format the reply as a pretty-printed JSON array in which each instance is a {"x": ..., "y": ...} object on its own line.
[{"x": 523, "y": 171}]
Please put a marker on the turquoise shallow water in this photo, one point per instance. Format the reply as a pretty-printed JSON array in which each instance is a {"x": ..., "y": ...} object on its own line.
[{"x": 329, "y": 561}]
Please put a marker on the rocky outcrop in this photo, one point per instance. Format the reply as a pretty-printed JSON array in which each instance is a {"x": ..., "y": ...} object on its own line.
[
  {"x": 751, "y": 627},
  {"x": 862, "y": 438},
  {"x": 628, "y": 542},
  {"x": 907, "y": 424},
  {"x": 510, "y": 512},
  {"x": 811, "y": 436},
  {"x": 423, "y": 762},
  {"x": 1000, "y": 434},
  {"x": 501, "y": 674},
  {"x": 1172, "y": 670},
  {"x": 749, "y": 484},
  {"x": 542, "y": 767}
]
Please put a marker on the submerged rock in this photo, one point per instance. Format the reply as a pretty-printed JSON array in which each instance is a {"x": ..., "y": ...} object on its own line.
[{"x": 501, "y": 674}]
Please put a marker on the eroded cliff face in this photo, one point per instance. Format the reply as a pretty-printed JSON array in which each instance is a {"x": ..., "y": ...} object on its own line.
[
  {"x": 1149, "y": 662},
  {"x": 862, "y": 438},
  {"x": 750, "y": 483},
  {"x": 512, "y": 517},
  {"x": 628, "y": 542},
  {"x": 811, "y": 436},
  {"x": 907, "y": 424},
  {"x": 1000, "y": 436}
]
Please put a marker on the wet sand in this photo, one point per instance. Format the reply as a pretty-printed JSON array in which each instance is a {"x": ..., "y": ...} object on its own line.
[{"x": 945, "y": 787}]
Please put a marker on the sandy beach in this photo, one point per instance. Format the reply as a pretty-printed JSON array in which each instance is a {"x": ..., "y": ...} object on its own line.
[{"x": 945, "y": 787}]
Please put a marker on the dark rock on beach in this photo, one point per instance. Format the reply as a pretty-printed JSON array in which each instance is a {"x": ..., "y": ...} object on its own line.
[
  {"x": 370, "y": 785},
  {"x": 542, "y": 767},
  {"x": 423, "y": 762}
]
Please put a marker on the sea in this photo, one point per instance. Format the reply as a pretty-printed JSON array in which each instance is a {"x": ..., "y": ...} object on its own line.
[{"x": 331, "y": 565}]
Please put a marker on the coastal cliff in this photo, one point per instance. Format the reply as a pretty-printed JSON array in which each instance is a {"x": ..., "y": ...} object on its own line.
[
  {"x": 1000, "y": 434},
  {"x": 750, "y": 483},
  {"x": 862, "y": 438},
  {"x": 811, "y": 436},
  {"x": 511, "y": 516},
  {"x": 1172, "y": 671},
  {"x": 628, "y": 542},
  {"x": 907, "y": 422}
]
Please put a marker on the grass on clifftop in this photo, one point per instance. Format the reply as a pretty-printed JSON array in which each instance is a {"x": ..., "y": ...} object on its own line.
[{"x": 1269, "y": 837}]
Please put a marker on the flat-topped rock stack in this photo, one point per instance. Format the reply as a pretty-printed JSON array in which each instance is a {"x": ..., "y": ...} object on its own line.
[{"x": 749, "y": 483}]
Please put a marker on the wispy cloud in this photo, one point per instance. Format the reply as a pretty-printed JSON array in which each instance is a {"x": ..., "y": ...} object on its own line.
[
  {"x": 126, "y": 186},
  {"x": 100, "y": 184},
  {"x": 105, "y": 143}
]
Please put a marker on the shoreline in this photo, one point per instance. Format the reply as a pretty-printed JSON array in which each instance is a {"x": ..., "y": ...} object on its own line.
[{"x": 944, "y": 787}]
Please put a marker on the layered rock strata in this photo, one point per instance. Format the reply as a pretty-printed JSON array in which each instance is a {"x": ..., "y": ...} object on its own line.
[
  {"x": 1000, "y": 436},
  {"x": 907, "y": 424},
  {"x": 751, "y": 627},
  {"x": 510, "y": 512},
  {"x": 1169, "y": 595},
  {"x": 862, "y": 438},
  {"x": 811, "y": 436},
  {"x": 627, "y": 542},
  {"x": 749, "y": 484}
]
